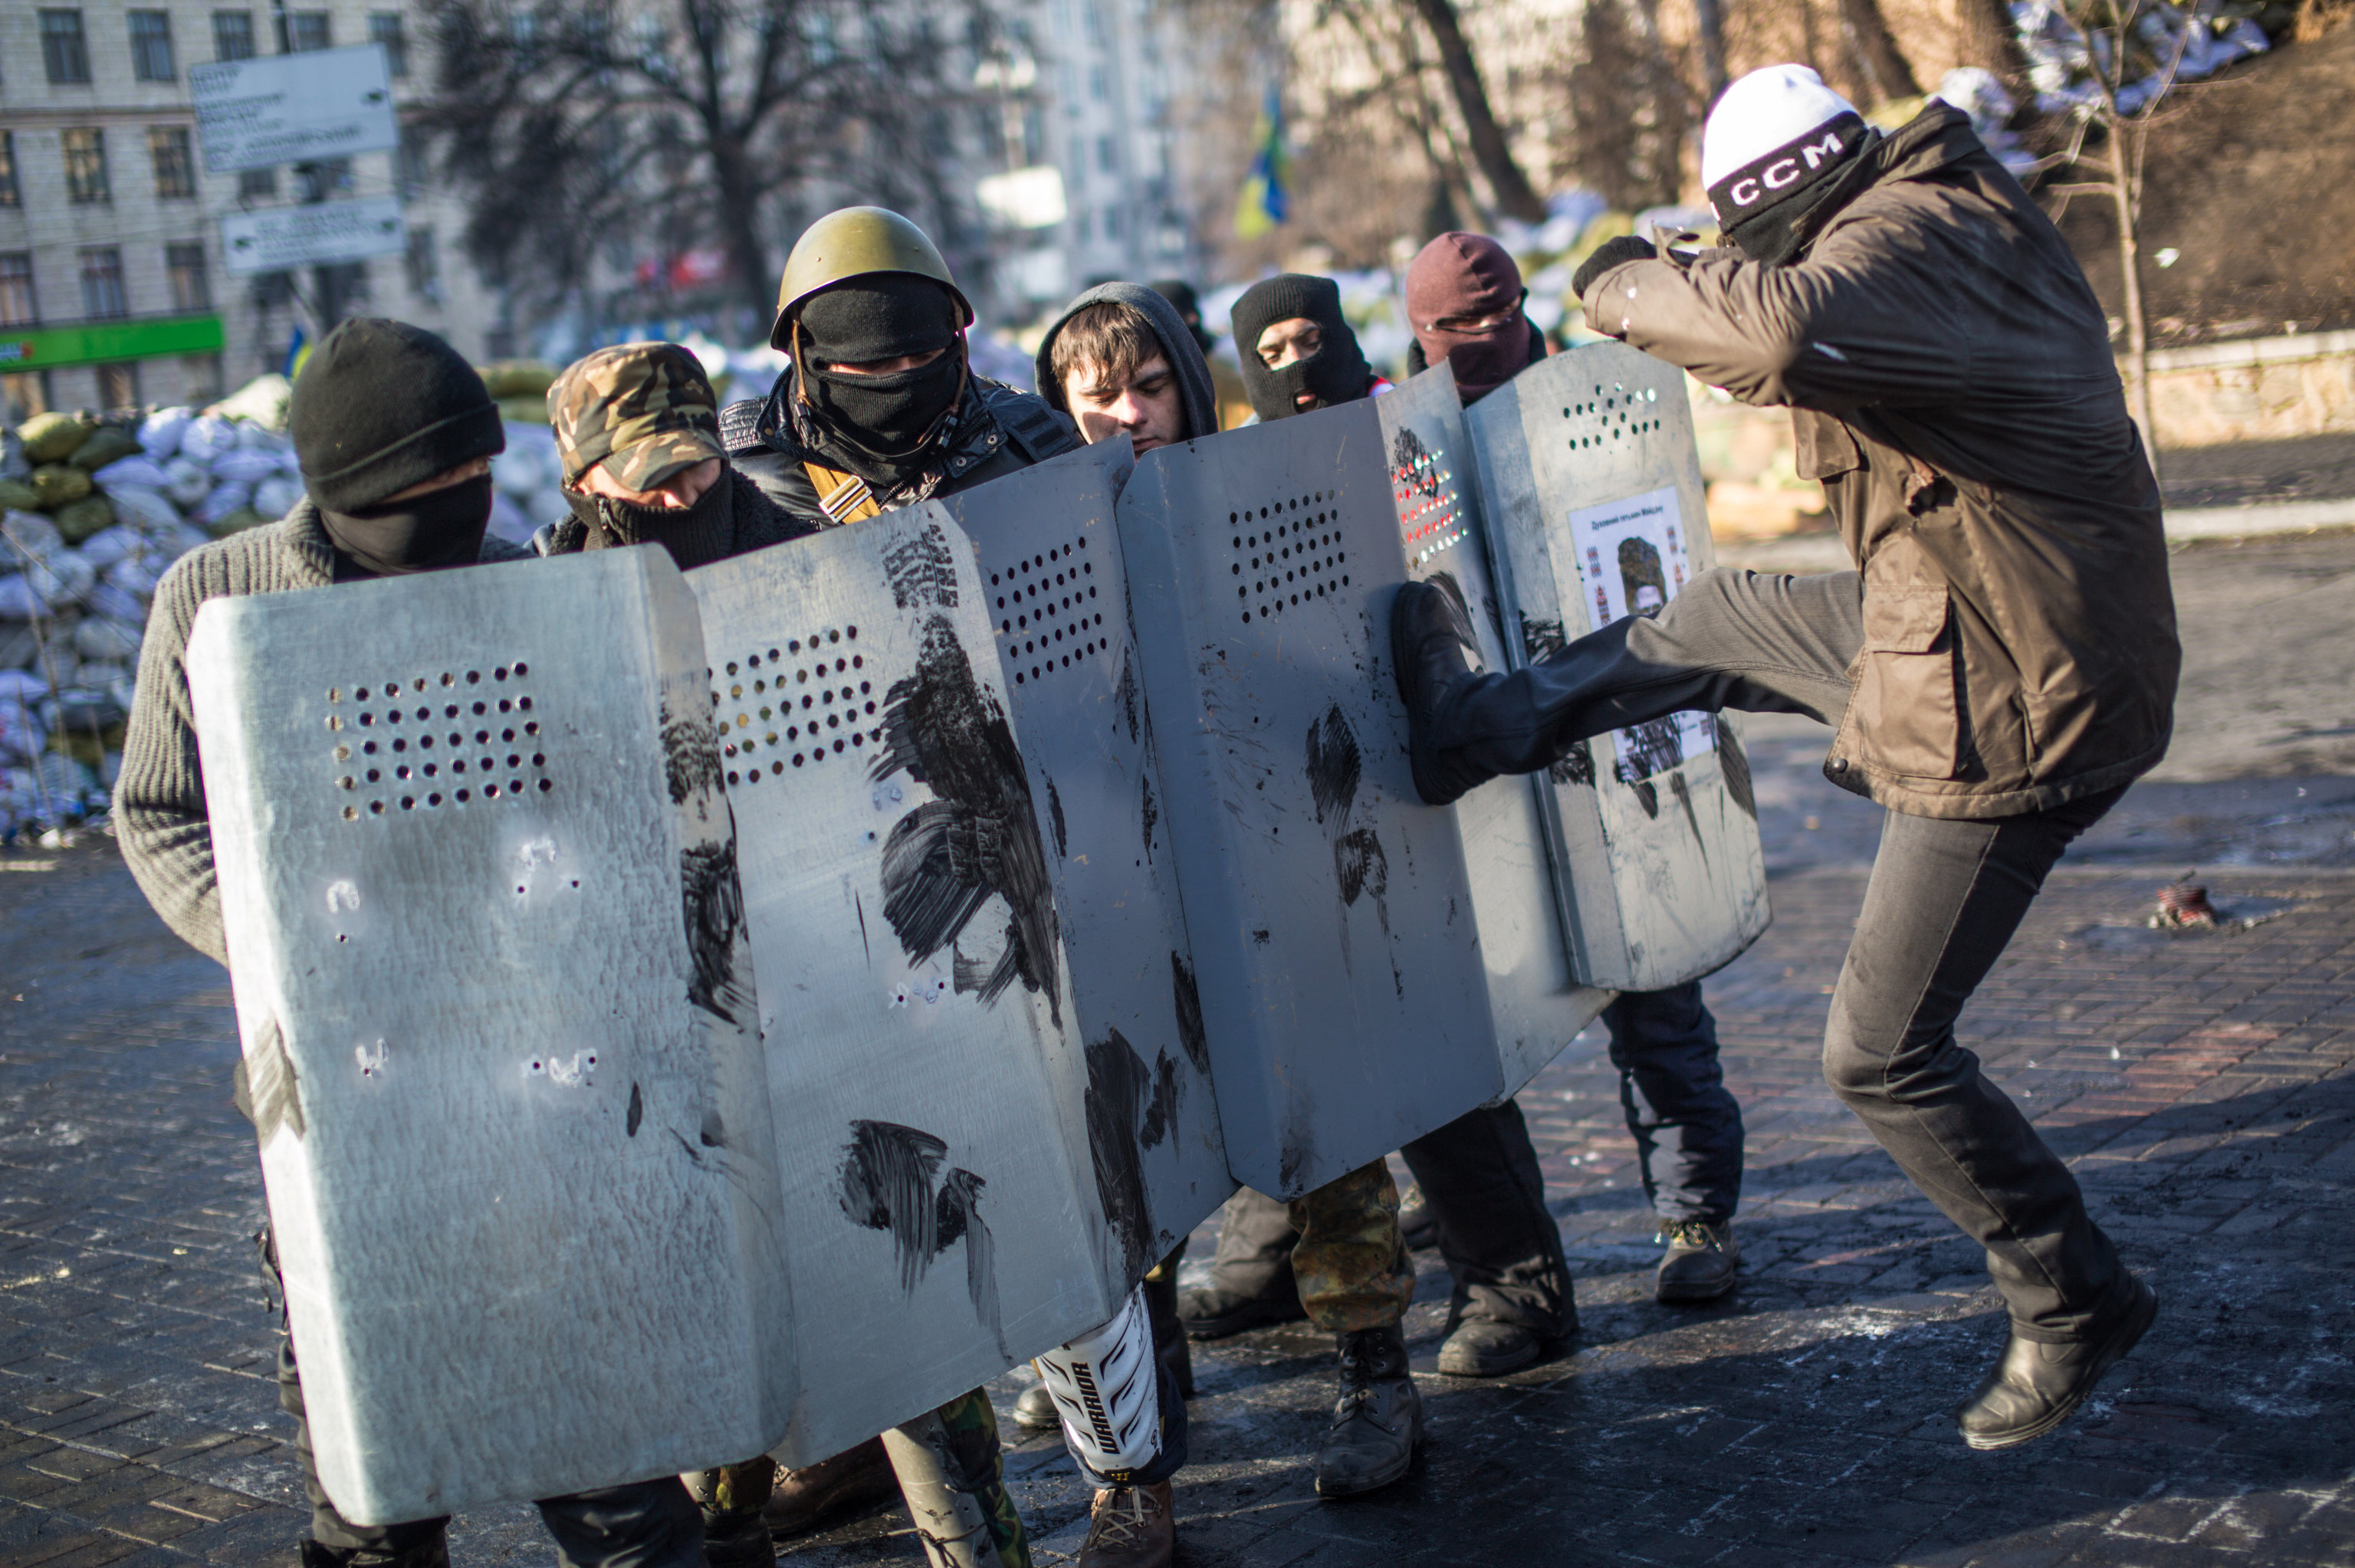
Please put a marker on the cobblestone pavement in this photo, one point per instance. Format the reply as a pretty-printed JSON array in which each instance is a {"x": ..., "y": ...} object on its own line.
[{"x": 2199, "y": 1085}]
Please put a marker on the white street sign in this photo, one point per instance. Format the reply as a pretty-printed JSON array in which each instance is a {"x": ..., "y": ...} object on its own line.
[
  {"x": 294, "y": 108},
  {"x": 279, "y": 238}
]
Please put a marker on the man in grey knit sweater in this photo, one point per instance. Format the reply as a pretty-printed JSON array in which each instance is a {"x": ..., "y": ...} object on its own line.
[{"x": 395, "y": 434}]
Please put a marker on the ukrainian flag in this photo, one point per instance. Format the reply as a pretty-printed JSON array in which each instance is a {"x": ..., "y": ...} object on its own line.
[{"x": 1265, "y": 201}]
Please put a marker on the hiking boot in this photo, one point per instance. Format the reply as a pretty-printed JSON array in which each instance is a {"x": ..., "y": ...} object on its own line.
[
  {"x": 1418, "y": 1226},
  {"x": 1130, "y": 1527},
  {"x": 2037, "y": 1386},
  {"x": 1378, "y": 1420},
  {"x": 1035, "y": 1411},
  {"x": 1699, "y": 1263},
  {"x": 1483, "y": 1347},
  {"x": 855, "y": 1478},
  {"x": 1431, "y": 635},
  {"x": 730, "y": 1499}
]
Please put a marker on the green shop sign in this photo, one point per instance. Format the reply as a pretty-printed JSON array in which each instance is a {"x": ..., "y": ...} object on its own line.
[{"x": 95, "y": 342}]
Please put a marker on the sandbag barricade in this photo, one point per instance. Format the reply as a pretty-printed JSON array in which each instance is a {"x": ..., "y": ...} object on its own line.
[
  {"x": 1048, "y": 553},
  {"x": 497, "y": 1009},
  {"x": 938, "y": 1180},
  {"x": 1592, "y": 487},
  {"x": 1344, "y": 999}
]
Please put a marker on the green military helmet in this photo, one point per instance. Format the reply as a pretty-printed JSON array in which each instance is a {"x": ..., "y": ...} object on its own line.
[{"x": 850, "y": 243}]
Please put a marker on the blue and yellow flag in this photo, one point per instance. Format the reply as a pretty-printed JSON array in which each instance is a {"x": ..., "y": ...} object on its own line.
[
  {"x": 297, "y": 351},
  {"x": 1266, "y": 202}
]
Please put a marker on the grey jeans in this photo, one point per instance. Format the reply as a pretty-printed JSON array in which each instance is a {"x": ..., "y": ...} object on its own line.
[{"x": 1943, "y": 902}]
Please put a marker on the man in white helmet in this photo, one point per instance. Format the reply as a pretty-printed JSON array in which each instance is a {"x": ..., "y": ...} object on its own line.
[{"x": 2000, "y": 668}]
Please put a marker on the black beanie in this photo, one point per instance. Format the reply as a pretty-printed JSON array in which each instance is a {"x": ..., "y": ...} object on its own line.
[
  {"x": 380, "y": 406},
  {"x": 1336, "y": 374}
]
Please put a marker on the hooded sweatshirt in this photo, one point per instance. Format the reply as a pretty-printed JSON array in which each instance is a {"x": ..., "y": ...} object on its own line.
[{"x": 1178, "y": 346}]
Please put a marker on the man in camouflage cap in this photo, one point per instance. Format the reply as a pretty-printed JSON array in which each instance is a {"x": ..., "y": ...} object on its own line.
[{"x": 637, "y": 426}]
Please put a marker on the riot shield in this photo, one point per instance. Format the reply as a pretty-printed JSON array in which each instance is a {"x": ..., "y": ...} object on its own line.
[
  {"x": 515, "y": 1130},
  {"x": 1051, "y": 561},
  {"x": 1593, "y": 489},
  {"x": 1534, "y": 996},
  {"x": 1344, "y": 1000},
  {"x": 921, "y": 1033}
]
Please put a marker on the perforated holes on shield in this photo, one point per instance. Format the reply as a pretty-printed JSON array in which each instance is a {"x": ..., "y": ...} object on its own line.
[
  {"x": 1430, "y": 513},
  {"x": 1287, "y": 553},
  {"x": 1050, "y": 612},
  {"x": 1610, "y": 415},
  {"x": 797, "y": 703},
  {"x": 465, "y": 736}
]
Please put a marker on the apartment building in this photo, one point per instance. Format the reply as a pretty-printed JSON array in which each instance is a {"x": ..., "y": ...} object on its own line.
[{"x": 113, "y": 290}]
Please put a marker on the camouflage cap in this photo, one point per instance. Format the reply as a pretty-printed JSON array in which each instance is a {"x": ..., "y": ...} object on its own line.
[{"x": 645, "y": 410}]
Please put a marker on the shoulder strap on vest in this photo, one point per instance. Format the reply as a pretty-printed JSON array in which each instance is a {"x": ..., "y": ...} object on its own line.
[
  {"x": 1029, "y": 421},
  {"x": 843, "y": 497}
]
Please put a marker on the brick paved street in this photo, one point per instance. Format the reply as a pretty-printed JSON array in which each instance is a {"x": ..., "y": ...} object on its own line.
[{"x": 2198, "y": 1084}]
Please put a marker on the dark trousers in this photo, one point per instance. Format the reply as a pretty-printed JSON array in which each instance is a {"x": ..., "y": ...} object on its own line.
[
  {"x": 1944, "y": 901},
  {"x": 1479, "y": 1174},
  {"x": 1687, "y": 1126},
  {"x": 646, "y": 1524}
]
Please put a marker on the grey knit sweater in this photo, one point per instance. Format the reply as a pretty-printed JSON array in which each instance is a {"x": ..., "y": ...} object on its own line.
[{"x": 159, "y": 801}]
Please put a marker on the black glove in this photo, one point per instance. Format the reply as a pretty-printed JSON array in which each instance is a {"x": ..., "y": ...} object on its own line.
[{"x": 1607, "y": 255}]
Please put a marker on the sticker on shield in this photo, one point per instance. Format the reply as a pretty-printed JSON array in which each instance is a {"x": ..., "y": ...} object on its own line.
[{"x": 916, "y": 1004}]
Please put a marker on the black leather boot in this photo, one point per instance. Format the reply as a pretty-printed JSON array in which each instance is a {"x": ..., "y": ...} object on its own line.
[
  {"x": 732, "y": 1499},
  {"x": 1378, "y": 1420},
  {"x": 1250, "y": 1276},
  {"x": 2037, "y": 1386},
  {"x": 1434, "y": 652}
]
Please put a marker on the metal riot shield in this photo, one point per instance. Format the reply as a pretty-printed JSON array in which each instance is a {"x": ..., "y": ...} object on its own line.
[
  {"x": 917, "y": 1006},
  {"x": 1343, "y": 994},
  {"x": 1591, "y": 485},
  {"x": 1534, "y": 995},
  {"x": 514, "y": 1129},
  {"x": 1051, "y": 562}
]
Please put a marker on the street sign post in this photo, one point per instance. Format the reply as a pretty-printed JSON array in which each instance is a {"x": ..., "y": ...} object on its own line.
[
  {"x": 294, "y": 108},
  {"x": 276, "y": 238}
]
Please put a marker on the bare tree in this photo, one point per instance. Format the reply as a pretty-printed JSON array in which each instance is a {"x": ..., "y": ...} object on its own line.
[
  {"x": 1985, "y": 38},
  {"x": 1882, "y": 65},
  {"x": 1513, "y": 192},
  {"x": 687, "y": 122},
  {"x": 1632, "y": 107}
]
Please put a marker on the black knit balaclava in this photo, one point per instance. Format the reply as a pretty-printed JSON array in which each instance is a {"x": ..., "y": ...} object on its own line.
[
  {"x": 881, "y": 315},
  {"x": 380, "y": 406},
  {"x": 1336, "y": 374}
]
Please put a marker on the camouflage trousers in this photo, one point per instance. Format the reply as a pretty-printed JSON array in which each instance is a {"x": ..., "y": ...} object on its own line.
[{"x": 1351, "y": 1263}]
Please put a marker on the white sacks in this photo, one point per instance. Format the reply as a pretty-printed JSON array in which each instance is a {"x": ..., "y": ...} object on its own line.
[
  {"x": 496, "y": 1004},
  {"x": 1593, "y": 490}
]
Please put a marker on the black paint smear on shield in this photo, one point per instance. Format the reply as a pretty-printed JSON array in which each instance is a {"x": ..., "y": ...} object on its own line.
[
  {"x": 979, "y": 835},
  {"x": 1117, "y": 1103},
  {"x": 1334, "y": 765},
  {"x": 1055, "y": 815},
  {"x": 690, "y": 755},
  {"x": 1575, "y": 766},
  {"x": 1539, "y": 638},
  {"x": 886, "y": 1184},
  {"x": 1126, "y": 694},
  {"x": 921, "y": 569},
  {"x": 637, "y": 1111},
  {"x": 1364, "y": 871},
  {"x": 1647, "y": 797},
  {"x": 1735, "y": 763},
  {"x": 1692, "y": 820},
  {"x": 1149, "y": 814},
  {"x": 1189, "y": 1013},
  {"x": 714, "y": 910}
]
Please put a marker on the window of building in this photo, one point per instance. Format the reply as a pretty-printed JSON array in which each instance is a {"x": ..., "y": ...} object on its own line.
[
  {"x": 306, "y": 31},
  {"x": 101, "y": 285},
  {"x": 150, "y": 46},
  {"x": 11, "y": 194},
  {"x": 24, "y": 395},
  {"x": 1096, "y": 90},
  {"x": 17, "y": 305},
  {"x": 200, "y": 377},
  {"x": 383, "y": 28},
  {"x": 252, "y": 184},
  {"x": 184, "y": 265},
  {"x": 1106, "y": 159},
  {"x": 1091, "y": 19},
  {"x": 410, "y": 169},
  {"x": 176, "y": 165},
  {"x": 118, "y": 387},
  {"x": 232, "y": 35},
  {"x": 318, "y": 181},
  {"x": 85, "y": 151},
  {"x": 271, "y": 290},
  {"x": 64, "y": 52},
  {"x": 1111, "y": 220},
  {"x": 424, "y": 265}
]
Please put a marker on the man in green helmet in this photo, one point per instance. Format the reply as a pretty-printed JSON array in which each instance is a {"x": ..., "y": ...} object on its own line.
[{"x": 880, "y": 408}]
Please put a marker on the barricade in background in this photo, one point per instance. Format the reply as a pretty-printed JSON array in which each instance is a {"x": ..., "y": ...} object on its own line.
[
  {"x": 1593, "y": 490},
  {"x": 1344, "y": 999},
  {"x": 497, "y": 1015},
  {"x": 925, "y": 1052},
  {"x": 1535, "y": 997}
]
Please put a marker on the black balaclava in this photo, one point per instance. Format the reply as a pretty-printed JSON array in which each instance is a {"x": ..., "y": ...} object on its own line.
[
  {"x": 1180, "y": 293},
  {"x": 881, "y": 315},
  {"x": 1336, "y": 374},
  {"x": 380, "y": 406},
  {"x": 695, "y": 536}
]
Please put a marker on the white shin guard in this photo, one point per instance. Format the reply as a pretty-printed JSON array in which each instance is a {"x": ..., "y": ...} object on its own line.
[{"x": 1106, "y": 1386}]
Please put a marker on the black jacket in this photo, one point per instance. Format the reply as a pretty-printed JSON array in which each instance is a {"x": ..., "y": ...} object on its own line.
[{"x": 997, "y": 431}]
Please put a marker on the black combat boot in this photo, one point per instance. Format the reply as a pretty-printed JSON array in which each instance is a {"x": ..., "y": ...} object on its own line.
[
  {"x": 854, "y": 1478},
  {"x": 1433, "y": 651},
  {"x": 2037, "y": 1386},
  {"x": 1250, "y": 1276},
  {"x": 1699, "y": 1263},
  {"x": 732, "y": 1497},
  {"x": 1378, "y": 1420}
]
